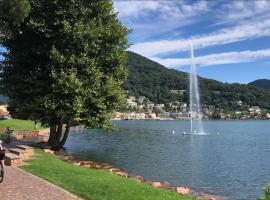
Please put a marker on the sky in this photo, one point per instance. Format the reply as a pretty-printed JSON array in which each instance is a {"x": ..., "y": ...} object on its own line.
[{"x": 231, "y": 39}]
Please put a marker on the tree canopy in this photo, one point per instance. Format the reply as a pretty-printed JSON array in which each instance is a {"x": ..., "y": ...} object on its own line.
[{"x": 65, "y": 64}]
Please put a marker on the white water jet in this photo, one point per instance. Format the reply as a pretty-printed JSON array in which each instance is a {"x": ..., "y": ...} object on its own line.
[{"x": 196, "y": 126}]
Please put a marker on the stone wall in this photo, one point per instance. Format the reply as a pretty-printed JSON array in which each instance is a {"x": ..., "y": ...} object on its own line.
[{"x": 20, "y": 134}]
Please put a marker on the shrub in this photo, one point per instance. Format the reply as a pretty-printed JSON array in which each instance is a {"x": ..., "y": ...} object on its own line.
[{"x": 266, "y": 195}]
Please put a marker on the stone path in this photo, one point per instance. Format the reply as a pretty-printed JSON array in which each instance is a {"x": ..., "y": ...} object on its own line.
[{"x": 20, "y": 185}]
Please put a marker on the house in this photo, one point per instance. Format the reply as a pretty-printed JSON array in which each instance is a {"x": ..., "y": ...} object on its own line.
[
  {"x": 139, "y": 116},
  {"x": 160, "y": 106},
  {"x": 141, "y": 99},
  {"x": 254, "y": 110},
  {"x": 132, "y": 104},
  {"x": 152, "y": 115},
  {"x": 4, "y": 115},
  {"x": 238, "y": 112},
  {"x": 150, "y": 105},
  {"x": 3, "y": 108}
]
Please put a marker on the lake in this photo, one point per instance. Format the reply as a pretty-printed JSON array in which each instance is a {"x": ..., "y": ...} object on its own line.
[{"x": 233, "y": 159}]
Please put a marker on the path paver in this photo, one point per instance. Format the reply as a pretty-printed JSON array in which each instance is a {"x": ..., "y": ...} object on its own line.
[{"x": 20, "y": 185}]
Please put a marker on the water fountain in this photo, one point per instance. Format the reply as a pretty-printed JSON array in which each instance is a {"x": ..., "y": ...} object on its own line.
[{"x": 194, "y": 98}]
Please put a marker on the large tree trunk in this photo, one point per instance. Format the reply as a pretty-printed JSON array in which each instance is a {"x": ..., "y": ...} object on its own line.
[
  {"x": 56, "y": 139},
  {"x": 52, "y": 134},
  {"x": 64, "y": 139}
]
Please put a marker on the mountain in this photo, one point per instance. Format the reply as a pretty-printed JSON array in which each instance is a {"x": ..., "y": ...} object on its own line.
[
  {"x": 261, "y": 83},
  {"x": 156, "y": 82}
]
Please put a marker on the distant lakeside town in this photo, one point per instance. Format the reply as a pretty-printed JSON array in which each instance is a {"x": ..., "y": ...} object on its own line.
[{"x": 141, "y": 108}]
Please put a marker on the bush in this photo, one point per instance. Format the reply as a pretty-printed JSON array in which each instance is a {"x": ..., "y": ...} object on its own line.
[
  {"x": 3, "y": 136},
  {"x": 266, "y": 195}
]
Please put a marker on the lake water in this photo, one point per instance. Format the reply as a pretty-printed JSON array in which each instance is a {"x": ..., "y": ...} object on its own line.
[{"x": 233, "y": 159}]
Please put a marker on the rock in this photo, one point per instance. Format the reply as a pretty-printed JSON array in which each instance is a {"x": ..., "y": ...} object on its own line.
[
  {"x": 182, "y": 190},
  {"x": 57, "y": 153},
  {"x": 48, "y": 151},
  {"x": 113, "y": 170},
  {"x": 88, "y": 166},
  {"x": 97, "y": 166},
  {"x": 205, "y": 196},
  {"x": 87, "y": 162},
  {"x": 107, "y": 167},
  {"x": 78, "y": 163},
  {"x": 165, "y": 184},
  {"x": 65, "y": 158},
  {"x": 123, "y": 174},
  {"x": 103, "y": 164},
  {"x": 156, "y": 184},
  {"x": 139, "y": 179}
]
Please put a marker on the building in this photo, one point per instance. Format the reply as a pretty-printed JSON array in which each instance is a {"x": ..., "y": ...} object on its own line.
[
  {"x": 141, "y": 99},
  {"x": 151, "y": 115},
  {"x": 160, "y": 106},
  {"x": 254, "y": 110},
  {"x": 4, "y": 115}
]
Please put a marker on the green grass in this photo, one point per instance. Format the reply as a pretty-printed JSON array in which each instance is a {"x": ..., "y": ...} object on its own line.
[
  {"x": 19, "y": 124},
  {"x": 94, "y": 184}
]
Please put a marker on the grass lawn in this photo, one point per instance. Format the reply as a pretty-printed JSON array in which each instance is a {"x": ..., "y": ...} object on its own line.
[
  {"x": 19, "y": 124},
  {"x": 94, "y": 184}
]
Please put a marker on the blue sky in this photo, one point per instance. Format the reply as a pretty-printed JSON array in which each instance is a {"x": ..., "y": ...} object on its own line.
[{"x": 231, "y": 38}]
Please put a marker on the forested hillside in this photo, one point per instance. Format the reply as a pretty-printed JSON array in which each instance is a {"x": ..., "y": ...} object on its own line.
[
  {"x": 261, "y": 83},
  {"x": 150, "y": 79}
]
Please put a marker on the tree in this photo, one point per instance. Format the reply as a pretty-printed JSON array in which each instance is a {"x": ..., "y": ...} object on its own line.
[
  {"x": 65, "y": 65},
  {"x": 12, "y": 13}
]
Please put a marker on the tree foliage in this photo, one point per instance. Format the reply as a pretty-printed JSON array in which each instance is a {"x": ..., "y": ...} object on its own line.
[
  {"x": 261, "y": 83},
  {"x": 65, "y": 64},
  {"x": 13, "y": 12}
]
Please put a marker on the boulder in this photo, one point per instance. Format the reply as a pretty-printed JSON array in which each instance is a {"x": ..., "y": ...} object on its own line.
[
  {"x": 156, "y": 184},
  {"x": 86, "y": 162},
  {"x": 107, "y": 167},
  {"x": 97, "y": 166},
  {"x": 78, "y": 163},
  {"x": 123, "y": 174},
  {"x": 205, "y": 196},
  {"x": 48, "y": 151},
  {"x": 139, "y": 179},
  {"x": 114, "y": 170},
  {"x": 183, "y": 190}
]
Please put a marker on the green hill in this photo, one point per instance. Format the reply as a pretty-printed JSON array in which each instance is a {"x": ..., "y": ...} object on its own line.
[
  {"x": 154, "y": 81},
  {"x": 261, "y": 83}
]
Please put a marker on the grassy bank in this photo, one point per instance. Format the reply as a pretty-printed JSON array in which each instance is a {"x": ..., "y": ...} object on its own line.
[
  {"x": 20, "y": 124},
  {"x": 94, "y": 184}
]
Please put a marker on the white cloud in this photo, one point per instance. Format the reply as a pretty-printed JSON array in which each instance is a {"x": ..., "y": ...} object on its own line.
[
  {"x": 157, "y": 18},
  {"x": 134, "y": 8},
  {"x": 217, "y": 59},
  {"x": 163, "y": 9},
  {"x": 242, "y": 9},
  {"x": 221, "y": 37}
]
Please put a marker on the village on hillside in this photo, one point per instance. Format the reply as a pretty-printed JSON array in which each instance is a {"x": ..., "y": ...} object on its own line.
[{"x": 141, "y": 108}]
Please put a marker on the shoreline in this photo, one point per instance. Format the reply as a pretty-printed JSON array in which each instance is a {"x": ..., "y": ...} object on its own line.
[
  {"x": 172, "y": 119},
  {"x": 183, "y": 190}
]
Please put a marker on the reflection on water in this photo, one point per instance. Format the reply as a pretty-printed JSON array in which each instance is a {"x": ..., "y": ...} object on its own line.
[{"x": 231, "y": 160}]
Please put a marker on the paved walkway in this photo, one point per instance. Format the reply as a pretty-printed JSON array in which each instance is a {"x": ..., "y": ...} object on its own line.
[{"x": 20, "y": 185}]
